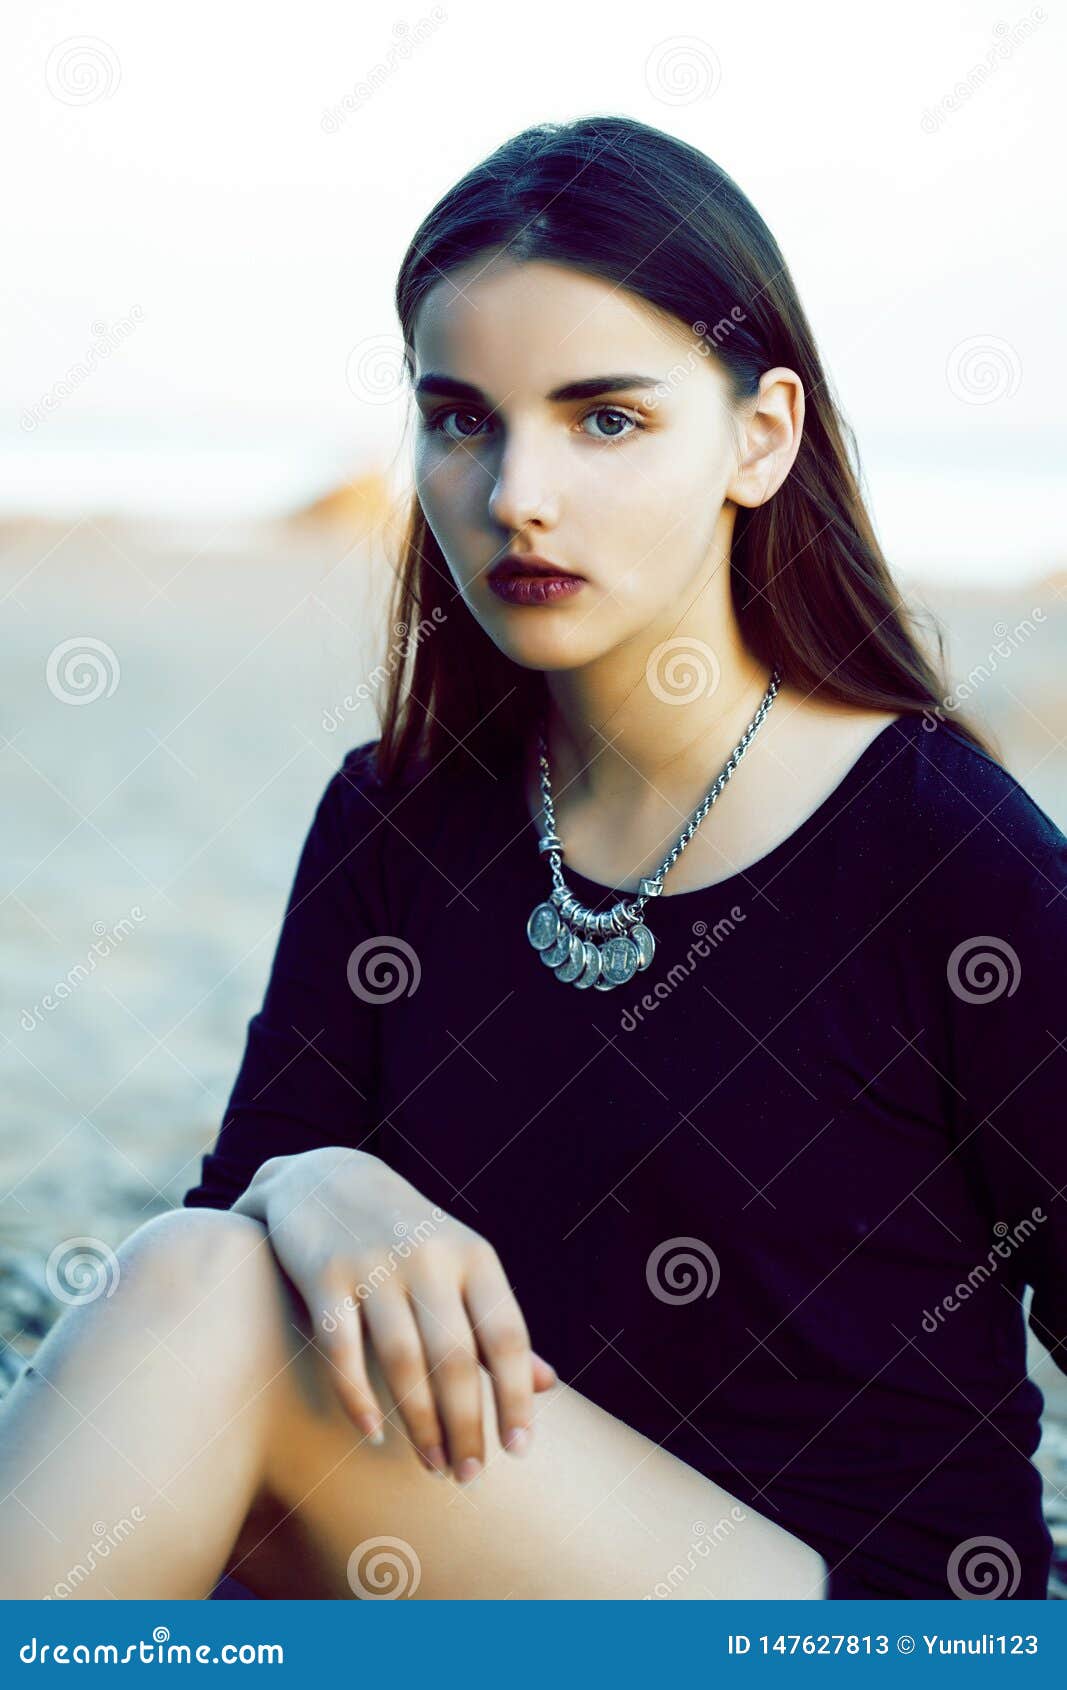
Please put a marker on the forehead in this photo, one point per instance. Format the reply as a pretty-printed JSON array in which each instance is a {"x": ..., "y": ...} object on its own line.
[{"x": 495, "y": 321}]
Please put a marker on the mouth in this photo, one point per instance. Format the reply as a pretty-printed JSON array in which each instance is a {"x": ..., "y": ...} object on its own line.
[
  {"x": 513, "y": 567},
  {"x": 532, "y": 581}
]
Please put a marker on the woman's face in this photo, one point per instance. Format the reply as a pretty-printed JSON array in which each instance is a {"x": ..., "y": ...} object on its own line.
[{"x": 625, "y": 487}]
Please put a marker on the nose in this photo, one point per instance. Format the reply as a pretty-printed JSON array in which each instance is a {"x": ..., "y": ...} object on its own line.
[{"x": 521, "y": 492}]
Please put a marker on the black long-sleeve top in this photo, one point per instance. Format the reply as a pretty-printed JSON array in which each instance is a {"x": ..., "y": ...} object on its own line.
[{"x": 774, "y": 1203}]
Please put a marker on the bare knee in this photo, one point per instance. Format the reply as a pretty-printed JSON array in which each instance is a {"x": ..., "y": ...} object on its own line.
[
  {"x": 186, "y": 1252},
  {"x": 204, "y": 1284}
]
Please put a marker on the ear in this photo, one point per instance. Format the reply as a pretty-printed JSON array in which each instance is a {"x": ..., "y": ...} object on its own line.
[{"x": 771, "y": 430}]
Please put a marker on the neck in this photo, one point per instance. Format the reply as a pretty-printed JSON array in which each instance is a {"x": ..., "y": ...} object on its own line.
[{"x": 633, "y": 730}]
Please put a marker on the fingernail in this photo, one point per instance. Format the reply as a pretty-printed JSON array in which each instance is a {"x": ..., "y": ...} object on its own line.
[
  {"x": 434, "y": 1460},
  {"x": 372, "y": 1428},
  {"x": 517, "y": 1440},
  {"x": 469, "y": 1468}
]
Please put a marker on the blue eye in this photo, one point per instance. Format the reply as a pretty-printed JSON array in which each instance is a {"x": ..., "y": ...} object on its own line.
[
  {"x": 436, "y": 422},
  {"x": 611, "y": 411}
]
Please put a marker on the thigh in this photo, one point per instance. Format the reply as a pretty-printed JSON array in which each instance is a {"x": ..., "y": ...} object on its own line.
[{"x": 592, "y": 1510}]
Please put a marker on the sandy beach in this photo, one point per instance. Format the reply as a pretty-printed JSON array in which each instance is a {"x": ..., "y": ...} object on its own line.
[{"x": 173, "y": 707}]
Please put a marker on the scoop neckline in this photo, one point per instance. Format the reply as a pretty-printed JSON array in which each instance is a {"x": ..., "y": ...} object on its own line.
[{"x": 595, "y": 892}]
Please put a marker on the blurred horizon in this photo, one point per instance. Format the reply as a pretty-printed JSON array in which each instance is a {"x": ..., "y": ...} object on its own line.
[
  {"x": 915, "y": 512},
  {"x": 201, "y": 323}
]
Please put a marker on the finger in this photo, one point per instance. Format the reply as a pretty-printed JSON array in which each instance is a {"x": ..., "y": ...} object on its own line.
[
  {"x": 339, "y": 1334},
  {"x": 392, "y": 1329},
  {"x": 545, "y": 1375},
  {"x": 454, "y": 1372},
  {"x": 504, "y": 1343}
]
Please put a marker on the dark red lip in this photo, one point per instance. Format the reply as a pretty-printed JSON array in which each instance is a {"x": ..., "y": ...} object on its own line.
[{"x": 514, "y": 564}]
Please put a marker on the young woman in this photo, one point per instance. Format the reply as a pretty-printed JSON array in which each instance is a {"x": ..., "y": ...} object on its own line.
[{"x": 671, "y": 990}]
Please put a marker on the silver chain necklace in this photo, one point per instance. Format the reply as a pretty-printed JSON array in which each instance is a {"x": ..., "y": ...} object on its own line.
[{"x": 606, "y": 950}]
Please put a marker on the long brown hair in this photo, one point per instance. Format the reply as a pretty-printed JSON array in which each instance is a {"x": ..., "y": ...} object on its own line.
[{"x": 812, "y": 591}]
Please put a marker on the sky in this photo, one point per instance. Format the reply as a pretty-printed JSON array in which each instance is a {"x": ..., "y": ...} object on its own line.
[{"x": 210, "y": 204}]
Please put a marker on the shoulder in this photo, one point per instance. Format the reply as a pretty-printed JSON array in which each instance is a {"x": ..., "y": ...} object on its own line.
[
  {"x": 351, "y": 805},
  {"x": 358, "y": 772},
  {"x": 405, "y": 811},
  {"x": 967, "y": 824},
  {"x": 352, "y": 834},
  {"x": 357, "y": 799},
  {"x": 954, "y": 781}
]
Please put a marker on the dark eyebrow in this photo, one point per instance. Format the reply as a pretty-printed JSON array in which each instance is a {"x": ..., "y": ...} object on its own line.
[{"x": 443, "y": 385}]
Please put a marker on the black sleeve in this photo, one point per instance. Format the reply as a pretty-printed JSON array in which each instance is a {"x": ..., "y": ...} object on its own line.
[
  {"x": 1008, "y": 1011},
  {"x": 307, "y": 1077}
]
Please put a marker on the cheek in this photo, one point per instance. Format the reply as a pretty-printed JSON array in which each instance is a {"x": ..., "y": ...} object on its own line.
[
  {"x": 656, "y": 534},
  {"x": 657, "y": 567},
  {"x": 669, "y": 512},
  {"x": 452, "y": 489},
  {"x": 427, "y": 468}
]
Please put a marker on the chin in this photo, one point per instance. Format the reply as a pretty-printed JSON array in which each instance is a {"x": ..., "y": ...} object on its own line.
[
  {"x": 550, "y": 655},
  {"x": 547, "y": 647}
]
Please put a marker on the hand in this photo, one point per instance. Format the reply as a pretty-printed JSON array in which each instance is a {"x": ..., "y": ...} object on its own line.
[{"x": 373, "y": 1258}]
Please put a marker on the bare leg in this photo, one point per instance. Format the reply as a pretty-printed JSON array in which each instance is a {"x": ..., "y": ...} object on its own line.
[
  {"x": 201, "y": 1371},
  {"x": 131, "y": 1453}
]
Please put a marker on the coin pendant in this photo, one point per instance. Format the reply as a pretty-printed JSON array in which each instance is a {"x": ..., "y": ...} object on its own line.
[
  {"x": 542, "y": 929},
  {"x": 574, "y": 964},
  {"x": 618, "y": 961},
  {"x": 645, "y": 941},
  {"x": 560, "y": 949},
  {"x": 591, "y": 971}
]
